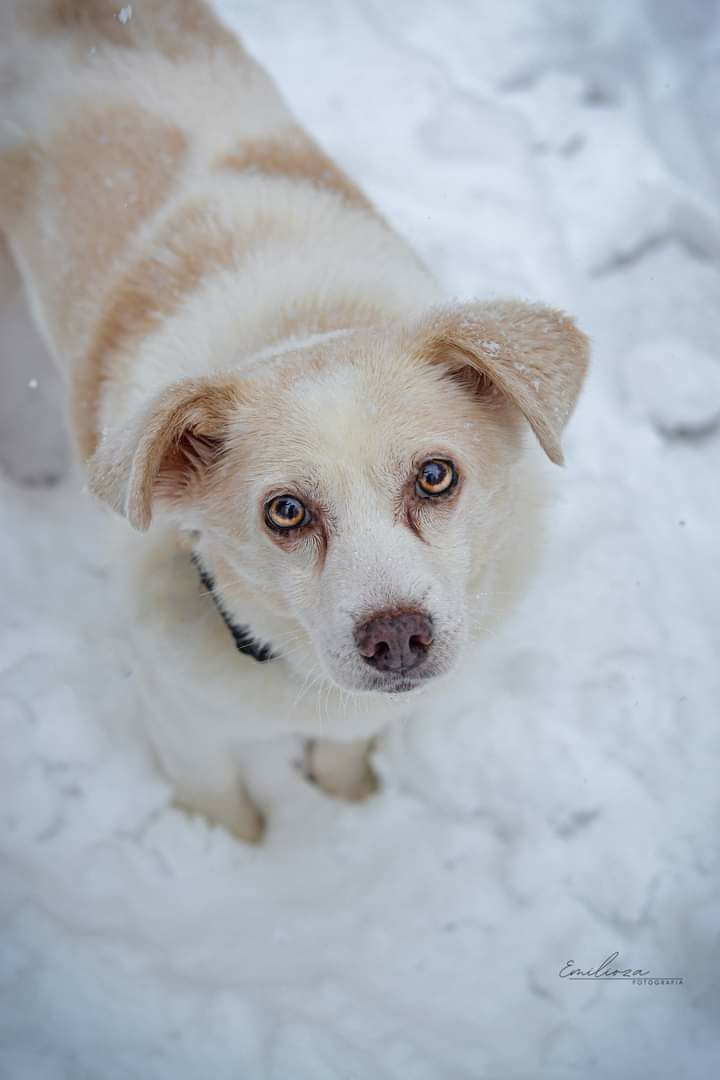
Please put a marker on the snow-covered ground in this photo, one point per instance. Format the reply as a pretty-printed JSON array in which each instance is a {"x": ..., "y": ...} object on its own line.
[{"x": 562, "y": 801}]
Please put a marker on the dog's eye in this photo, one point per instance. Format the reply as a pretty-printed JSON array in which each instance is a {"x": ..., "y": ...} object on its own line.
[
  {"x": 436, "y": 477},
  {"x": 286, "y": 512}
]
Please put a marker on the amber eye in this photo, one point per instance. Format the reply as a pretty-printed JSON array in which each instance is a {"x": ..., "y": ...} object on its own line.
[
  {"x": 286, "y": 512},
  {"x": 436, "y": 477}
]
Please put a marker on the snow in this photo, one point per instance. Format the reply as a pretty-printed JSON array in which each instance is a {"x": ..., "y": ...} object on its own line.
[
  {"x": 560, "y": 801},
  {"x": 674, "y": 385}
]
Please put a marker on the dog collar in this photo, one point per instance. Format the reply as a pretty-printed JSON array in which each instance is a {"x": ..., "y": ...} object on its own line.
[{"x": 244, "y": 640}]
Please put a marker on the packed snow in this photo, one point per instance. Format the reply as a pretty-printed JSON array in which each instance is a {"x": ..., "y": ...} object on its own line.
[{"x": 560, "y": 799}]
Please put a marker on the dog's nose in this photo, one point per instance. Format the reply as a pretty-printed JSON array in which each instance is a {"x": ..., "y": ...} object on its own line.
[{"x": 395, "y": 641}]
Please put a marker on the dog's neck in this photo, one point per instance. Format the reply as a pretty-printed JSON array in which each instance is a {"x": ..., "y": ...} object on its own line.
[{"x": 242, "y": 635}]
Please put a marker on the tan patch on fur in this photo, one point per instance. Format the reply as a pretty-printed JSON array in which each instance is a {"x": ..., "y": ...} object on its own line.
[
  {"x": 175, "y": 28},
  {"x": 108, "y": 172},
  {"x": 185, "y": 252},
  {"x": 18, "y": 171},
  {"x": 312, "y": 317},
  {"x": 533, "y": 355},
  {"x": 182, "y": 25},
  {"x": 96, "y": 17},
  {"x": 296, "y": 157}
]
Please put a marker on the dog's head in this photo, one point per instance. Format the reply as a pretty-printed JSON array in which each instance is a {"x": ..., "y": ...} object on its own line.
[{"x": 349, "y": 493}]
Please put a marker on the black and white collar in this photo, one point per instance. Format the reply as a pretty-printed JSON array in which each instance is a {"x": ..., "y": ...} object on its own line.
[{"x": 243, "y": 637}]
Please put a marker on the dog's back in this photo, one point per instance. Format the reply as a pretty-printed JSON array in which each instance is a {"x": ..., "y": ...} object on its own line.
[
  {"x": 95, "y": 135},
  {"x": 142, "y": 151}
]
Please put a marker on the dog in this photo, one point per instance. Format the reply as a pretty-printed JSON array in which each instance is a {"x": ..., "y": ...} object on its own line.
[{"x": 342, "y": 470}]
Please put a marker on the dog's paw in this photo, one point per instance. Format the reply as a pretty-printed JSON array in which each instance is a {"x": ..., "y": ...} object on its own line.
[
  {"x": 240, "y": 816},
  {"x": 248, "y": 827},
  {"x": 340, "y": 769},
  {"x": 355, "y": 790}
]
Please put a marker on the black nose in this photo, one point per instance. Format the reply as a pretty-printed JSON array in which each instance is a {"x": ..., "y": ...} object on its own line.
[{"x": 395, "y": 641}]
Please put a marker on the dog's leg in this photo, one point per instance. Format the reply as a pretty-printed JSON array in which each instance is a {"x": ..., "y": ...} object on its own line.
[
  {"x": 227, "y": 804},
  {"x": 341, "y": 768}
]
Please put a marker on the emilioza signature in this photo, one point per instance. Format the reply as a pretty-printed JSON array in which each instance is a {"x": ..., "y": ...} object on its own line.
[
  {"x": 602, "y": 971},
  {"x": 606, "y": 971}
]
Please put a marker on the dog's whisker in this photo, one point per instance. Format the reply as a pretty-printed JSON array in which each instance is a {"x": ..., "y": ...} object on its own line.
[
  {"x": 497, "y": 592},
  {"x": 310, "y": 681},
  {"x": 485, "y": 630}
]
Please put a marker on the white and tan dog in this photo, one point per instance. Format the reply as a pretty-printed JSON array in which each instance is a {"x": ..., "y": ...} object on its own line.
[{"x": 336, "y": 465}]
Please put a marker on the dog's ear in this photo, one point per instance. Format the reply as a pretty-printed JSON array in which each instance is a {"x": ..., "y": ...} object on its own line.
[
  {"x": 165, "y": 453},
  {"x": 530, "y": 354}
]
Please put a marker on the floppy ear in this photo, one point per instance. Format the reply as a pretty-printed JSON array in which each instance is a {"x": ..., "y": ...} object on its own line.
[
  {"x": 533, "y": 355},
  {"x": 166, "y": 451}
]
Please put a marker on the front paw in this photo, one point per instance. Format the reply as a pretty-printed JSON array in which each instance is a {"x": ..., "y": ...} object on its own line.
[
  {"x": 340, "y": 769},
  {"x": 237, "y": 814}
]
